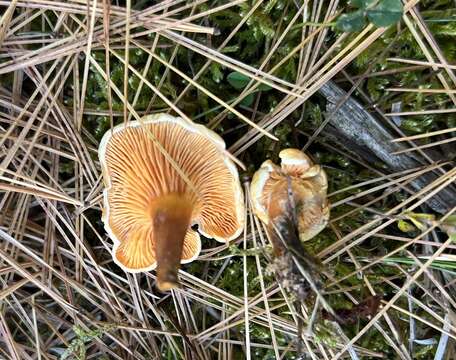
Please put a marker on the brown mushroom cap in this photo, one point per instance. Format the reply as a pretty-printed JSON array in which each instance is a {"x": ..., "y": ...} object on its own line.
[
  {"x": 270, "y": 192},
  {"x": 149, "y": 207}
]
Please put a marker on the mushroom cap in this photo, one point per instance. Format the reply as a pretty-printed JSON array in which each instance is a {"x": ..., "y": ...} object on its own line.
[
  {"x": 270, "y": 187},
  {"x": 137, "y": 175}
]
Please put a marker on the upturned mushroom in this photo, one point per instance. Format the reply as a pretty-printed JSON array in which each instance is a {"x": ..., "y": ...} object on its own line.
[
  {"x": 162, "y": 176},
  {"x": 290, "y": 195}
]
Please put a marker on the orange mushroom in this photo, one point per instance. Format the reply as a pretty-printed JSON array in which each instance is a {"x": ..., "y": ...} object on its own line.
[
  {"x": 163, "y": 175},
  {"x": 297, "y": 183}
]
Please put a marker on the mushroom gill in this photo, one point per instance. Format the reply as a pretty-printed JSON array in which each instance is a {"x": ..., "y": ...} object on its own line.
[{"x": 150, "y": 207}]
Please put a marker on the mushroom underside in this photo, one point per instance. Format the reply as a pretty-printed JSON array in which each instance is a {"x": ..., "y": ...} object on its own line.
[{"x": 150, "y": 207}]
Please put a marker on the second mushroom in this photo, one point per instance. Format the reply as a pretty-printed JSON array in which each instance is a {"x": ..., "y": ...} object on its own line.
[
  {"x": 291, "y": 195},
  {"x": 163, "y": 175}
]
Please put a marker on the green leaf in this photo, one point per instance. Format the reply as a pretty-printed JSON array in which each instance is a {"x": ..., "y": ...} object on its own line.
[
  {"x": 386, "y": 13},
  {"x": 450, "y": 220},
  {"x": 216, "y": 71},
  {"x": 354, "y": 21},
  {"x": 361, "y": 4},
  {"x": 405, "y": 226},
  {"x": 230, "y": 49},
  {"x": 416, "y": 223},
  {"x": 238, "y": 80},
  {"x": 428, "y": 217},
  {"x": 248, "y": 100},
  {"x": 264, "y": 87}
]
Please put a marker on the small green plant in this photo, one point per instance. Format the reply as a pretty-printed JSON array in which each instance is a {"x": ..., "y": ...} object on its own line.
[
  {"x": 382, "y": 14},
  {"x": 422, "y": 221},
  {"x": 240, "y": 81},
  {"x": 77, "y": 348}
]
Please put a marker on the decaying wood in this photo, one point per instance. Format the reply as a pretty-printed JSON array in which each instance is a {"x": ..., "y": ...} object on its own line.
[{"x": 371, "y": 139}]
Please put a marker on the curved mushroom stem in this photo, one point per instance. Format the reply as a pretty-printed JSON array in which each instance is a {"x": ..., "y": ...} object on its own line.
[{"x": 171, "y": 220}]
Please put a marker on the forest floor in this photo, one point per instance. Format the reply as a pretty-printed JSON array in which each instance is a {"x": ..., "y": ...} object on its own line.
[{"x": 366, "y": 88}]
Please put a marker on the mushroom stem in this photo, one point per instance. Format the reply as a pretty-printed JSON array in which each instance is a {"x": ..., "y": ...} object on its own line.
[{"x": 171, "y": 220}]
